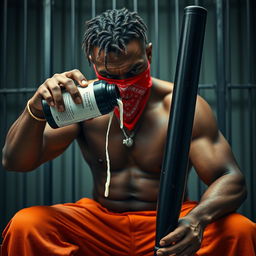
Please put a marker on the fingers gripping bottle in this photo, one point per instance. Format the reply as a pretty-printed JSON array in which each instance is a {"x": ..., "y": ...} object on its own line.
[{"x": 98, "y": 98}]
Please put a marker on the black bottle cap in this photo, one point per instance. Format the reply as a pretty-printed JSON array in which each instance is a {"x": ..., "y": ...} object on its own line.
[{"x": 106, "y": 96}]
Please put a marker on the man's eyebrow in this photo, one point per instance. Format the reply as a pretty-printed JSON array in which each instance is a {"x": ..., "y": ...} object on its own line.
[
  {"x": 102, "y": 71},
  {"x": 136, "y": 65}
]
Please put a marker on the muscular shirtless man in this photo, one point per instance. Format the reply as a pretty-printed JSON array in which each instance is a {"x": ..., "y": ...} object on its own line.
[{"x": 124, "y": 222}]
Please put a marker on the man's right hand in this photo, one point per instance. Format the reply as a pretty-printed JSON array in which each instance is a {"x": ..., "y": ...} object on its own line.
[{"x": 51, "y": 89}]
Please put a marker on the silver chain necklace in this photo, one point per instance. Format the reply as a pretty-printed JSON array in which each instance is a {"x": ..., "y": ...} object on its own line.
[{"x": 128, "y": 141}]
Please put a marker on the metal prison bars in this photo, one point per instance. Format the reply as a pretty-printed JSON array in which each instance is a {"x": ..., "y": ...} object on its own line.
[{"x": 228, "y": 98}]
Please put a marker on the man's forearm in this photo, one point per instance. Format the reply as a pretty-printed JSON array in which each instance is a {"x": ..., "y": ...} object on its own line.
[
  {"x": 23, "y": 144},
  {"x": 223, "y": 196}
]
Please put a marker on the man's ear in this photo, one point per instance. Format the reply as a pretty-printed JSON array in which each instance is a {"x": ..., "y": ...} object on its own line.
[{"x": 149, "y": 52}]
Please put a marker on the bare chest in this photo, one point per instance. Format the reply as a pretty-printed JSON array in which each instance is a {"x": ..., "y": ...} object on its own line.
[{"x": 148, "y": 144}]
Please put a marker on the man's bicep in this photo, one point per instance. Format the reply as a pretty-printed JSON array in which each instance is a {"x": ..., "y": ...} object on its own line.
[
  {"x": 210, "y": 153},
  {"x": 57, "y": 140},
  {"x": 212, "y": 159}
]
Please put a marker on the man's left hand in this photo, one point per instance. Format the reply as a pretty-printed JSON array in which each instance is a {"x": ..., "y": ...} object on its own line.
[{"x": 185, "y": 240}]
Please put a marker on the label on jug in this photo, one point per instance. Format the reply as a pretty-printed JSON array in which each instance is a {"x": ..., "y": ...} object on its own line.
[{"x": 77, "y": 112}]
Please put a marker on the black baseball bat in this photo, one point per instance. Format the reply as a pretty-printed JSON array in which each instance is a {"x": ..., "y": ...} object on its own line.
[{"x": 176, "y": 157}]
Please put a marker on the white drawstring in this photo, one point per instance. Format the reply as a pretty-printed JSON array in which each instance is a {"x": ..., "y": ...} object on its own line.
[
  {"x": 107, "y": 157},
  {"x": 121, "y": 112},
  {"x": 107, "y": 184}
]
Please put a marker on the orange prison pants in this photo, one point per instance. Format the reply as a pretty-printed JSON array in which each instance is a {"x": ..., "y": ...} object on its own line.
[{"x": 85, "y": 228}]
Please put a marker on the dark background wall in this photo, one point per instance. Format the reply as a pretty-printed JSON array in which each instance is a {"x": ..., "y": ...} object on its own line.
[{"x": 40, "y": 38}]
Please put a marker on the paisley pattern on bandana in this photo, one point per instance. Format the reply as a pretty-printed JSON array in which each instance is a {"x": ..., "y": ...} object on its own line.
[{"x": 134, "y": 93}]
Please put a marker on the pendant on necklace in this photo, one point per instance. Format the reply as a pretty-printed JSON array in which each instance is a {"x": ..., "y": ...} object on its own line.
[{"x": 128, "y": 142}]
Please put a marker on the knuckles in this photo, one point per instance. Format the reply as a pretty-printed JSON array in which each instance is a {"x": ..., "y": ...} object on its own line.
[
  {"x": 48, "y": 98},
  {"x": 69, "y": 81},
  {"x": 177, "y": 237},
  {"x": 51, "y": 88},
  {"x": 47, "y": 80},
  {"x": 56, "y": 75},
  {"x": 44, "y": 90},
  {"x": 55, "y": 87}
]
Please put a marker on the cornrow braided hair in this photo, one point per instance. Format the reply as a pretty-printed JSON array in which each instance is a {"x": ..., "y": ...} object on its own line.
[{"x": 112, "y": 31}]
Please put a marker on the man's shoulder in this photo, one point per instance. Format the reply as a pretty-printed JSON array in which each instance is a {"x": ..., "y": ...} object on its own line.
[
  {"x": 162, "y": 91},
  {"x": 205, "y": 123},
  {"x": 161, "y": 86}
]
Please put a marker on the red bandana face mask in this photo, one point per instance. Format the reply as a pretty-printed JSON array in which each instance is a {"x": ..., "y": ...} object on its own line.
[{"x": 134, "y": 93}]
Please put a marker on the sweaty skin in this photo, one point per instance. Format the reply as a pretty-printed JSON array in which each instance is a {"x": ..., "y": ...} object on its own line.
[{"x": 135, "y": 171}]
